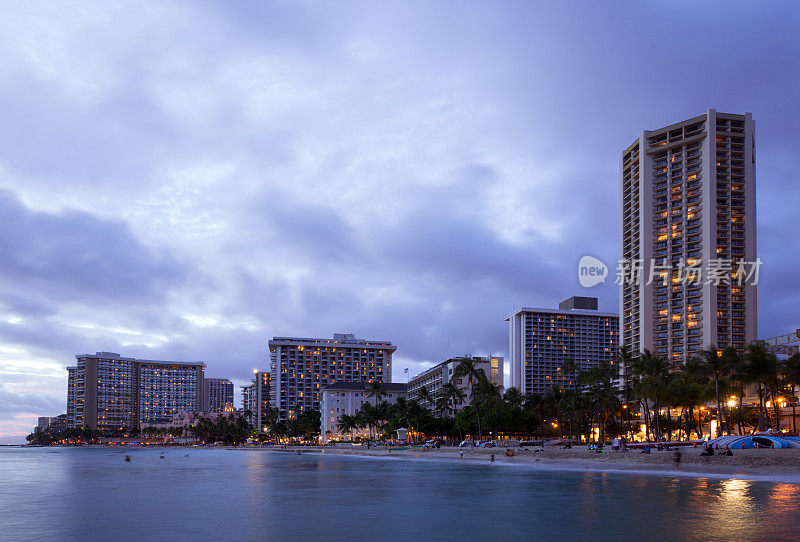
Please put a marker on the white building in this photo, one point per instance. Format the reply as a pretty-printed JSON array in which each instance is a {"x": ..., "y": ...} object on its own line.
[
  {"x": 301, "y": 367},
  {"x": 435, "y": 378},
  {"x": 541, "y": 340},
  {"x": 348, "y": 398},
  {"x": 687, "y": 196}
]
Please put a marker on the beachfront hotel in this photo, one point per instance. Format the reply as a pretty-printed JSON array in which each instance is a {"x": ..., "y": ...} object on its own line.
[
  {"x": 51, "y": 423},
  {"x": 256, "y": 399},
  {"x": 300, "y": 367},
  {"x": 348, "y": 398},
  {"x": 435, "y": 378},
  {"x": 687, "y": 196},
  {"x": 541, "y": 340},
  {"x": 107, "y": 391},
  {"x": 219, "y": 392}
]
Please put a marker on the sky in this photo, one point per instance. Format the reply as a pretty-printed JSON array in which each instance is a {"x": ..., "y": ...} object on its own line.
[{"x": 186, "y": 180}]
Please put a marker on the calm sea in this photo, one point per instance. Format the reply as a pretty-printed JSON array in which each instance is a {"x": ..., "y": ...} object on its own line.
[{"x": 93, "y": 494}]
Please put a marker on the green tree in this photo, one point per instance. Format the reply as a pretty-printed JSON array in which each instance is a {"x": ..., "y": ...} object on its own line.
[
  {"x": 761, "y": 366},
  {"x": 568, "y": 369},
  {"x": 377, "y": 391},
  {"x": 491, "y": 395},
  {"x": 651, "y": 372},
  {"x": 467, "y": 368},
  {"x": 717, "y": 368}
]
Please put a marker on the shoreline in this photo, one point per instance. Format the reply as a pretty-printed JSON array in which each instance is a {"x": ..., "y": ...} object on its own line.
[
  {"x": 783, "y": 467},
  {"x": 778, "y": 466}
]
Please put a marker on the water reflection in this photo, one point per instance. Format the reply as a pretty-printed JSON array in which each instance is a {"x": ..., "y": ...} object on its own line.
[{"x": 282, "y": 496}]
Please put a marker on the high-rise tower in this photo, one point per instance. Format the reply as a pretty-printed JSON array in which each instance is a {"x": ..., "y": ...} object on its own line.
[{"x": 688, "y": 237}]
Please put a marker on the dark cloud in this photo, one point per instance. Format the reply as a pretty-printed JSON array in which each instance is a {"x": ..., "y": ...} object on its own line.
[
  {"x": 74, "y": 256},
  {"x": 12, "y": 403}
]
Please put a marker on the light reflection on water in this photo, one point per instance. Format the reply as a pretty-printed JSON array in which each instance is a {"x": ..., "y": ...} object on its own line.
[{"x": 92, "y": 494}]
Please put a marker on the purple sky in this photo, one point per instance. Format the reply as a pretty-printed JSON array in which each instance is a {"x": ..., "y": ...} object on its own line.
[{"x": 186, "y": 180}]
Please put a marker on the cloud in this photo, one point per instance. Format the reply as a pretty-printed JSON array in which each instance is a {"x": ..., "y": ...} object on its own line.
[{"x": 74, "y": 256}]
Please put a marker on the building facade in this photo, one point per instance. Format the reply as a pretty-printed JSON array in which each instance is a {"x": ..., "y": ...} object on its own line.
[
  {"x": 687, "y": 196},
  {"x": 219, "y": 393},
  {"x": 301, "y": 367},
  {"x": 348, "y": 398},
  {"x": 107, "y": 391},
  {"x": 72, "y": 377},
  {"x": 51, "y": 423},
  {"x": 256, "y": 399},
  {"x": 541, "y": 340},
  {"x": 435, "y": 378}
]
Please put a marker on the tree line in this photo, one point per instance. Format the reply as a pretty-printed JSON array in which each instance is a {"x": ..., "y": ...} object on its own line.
[{"x": 612, "y": 399}]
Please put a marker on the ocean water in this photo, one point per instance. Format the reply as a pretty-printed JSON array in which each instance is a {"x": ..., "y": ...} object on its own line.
[{"x": 215, "y": 494}]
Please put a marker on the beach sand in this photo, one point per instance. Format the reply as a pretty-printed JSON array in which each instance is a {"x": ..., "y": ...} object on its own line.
[{"x": 779, "y": 465}]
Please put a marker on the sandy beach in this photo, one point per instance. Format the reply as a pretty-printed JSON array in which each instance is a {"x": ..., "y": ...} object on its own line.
[{"x": 775, "y": 465}]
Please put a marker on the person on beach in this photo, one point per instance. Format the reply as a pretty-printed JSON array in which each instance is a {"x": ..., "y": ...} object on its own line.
[
  {"x": 462, "y": 454},
  {"x": 615, "y": 444},
  {"x": 492, "y": 458},
  {"x": 708, "y": 451},
  {"x": 676, "y": 458}
]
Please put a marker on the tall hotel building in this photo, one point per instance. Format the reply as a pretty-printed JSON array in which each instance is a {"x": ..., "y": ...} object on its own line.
[
  {"x": 300, "y": 367},
  {"x": 107, "y": 391},
  {"x": 219, "y": 394},
  {"x": 256, "y": 399},
  {"x": 541, "y": 340},
  {"x": 687, "y": 193}
]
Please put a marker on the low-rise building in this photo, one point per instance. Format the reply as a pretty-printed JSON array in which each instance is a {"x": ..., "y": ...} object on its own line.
[
  {"x": 434, "y": 379},
  {"x": 185, "y": 419},
  {"x": 348, "y": 398}
]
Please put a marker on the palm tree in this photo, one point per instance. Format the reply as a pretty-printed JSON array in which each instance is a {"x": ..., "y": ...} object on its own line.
[
  {"x": 426, "y": 396},
  {"x": 599, "y": 379},
  {"x": 466, "y": 368},
  {"x": 625, "y": 360},
  {"x": 492, "y": 395},
  {"x": 452, "y": 394},
  {"x": 715, "y": 366},
  {"x": 762, "y": 368},
  {"x": 513, "y": 397},
  {"x": 377, "y": 390},
  {"x": 382, "y": 416},
  {"x": 791, "y": 378},
  {"x": 270, "y": 420},
  {"x": 367, "y": 417},
  {"x": 348, "y": 423},
  {"x": 568, "y": 369},
  {"x": 442, "y": 406},
  {"x": 652, "y": 371},
  {"x": 415, "y": 412},
  {"x": 685, "y": 388}
]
